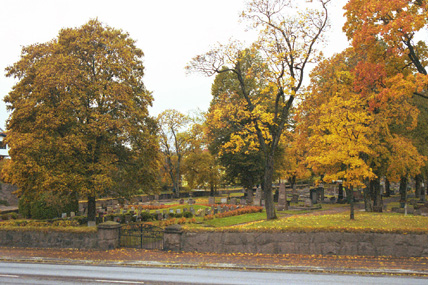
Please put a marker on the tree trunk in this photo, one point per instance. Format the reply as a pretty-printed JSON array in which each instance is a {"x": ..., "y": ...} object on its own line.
[
  {"x": 387, "y": 188},
  {"x": 418, "y": 185},
  {"x": 375, "y": 195},
  {"x": 350, "y": 197},
  {"x": 423, "y": 191},
  {"x": 293, "y": 184},
  {"x": 267, "y": 189},
  {"x": 403, "y": 189},
  {"x": 367, "y": 201},
  {"x": 92, "y": 209},
  {"x": 340, "y": 194}
]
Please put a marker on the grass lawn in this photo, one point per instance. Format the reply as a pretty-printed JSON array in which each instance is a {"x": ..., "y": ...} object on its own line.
[
  {"x": 364, "y": 222},
  {"x": 228, "y": 221}
]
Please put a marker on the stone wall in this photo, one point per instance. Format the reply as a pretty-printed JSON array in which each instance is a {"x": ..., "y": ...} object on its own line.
[
  {"x": 325, "y": 243},
  {"x": 106, "y": 237}
]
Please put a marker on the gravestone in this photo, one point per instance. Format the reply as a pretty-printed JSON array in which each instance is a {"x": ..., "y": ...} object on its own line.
[
  {"x": 158, "y": 215},
  {"x": 192, "y": 210},
  {"x": 64, "y": 215},
  {"x": 258, "y": 197},
  {"x": 178, "y": 211},
  {"x": 190, "y": 201},
  {"x": 233, "y": 201},
  {"x": 223, "y": 200},
  {"x": 72, "y": 214},
  {"x": 249, "y": 197},
  {"x": 308, "y": 203},
  {"x": 181, "y": 201},
  {"x": 211, "y": 200},
  {"x": 243, "y": 202},
  {"x": 295, "y": 198},
  {"x": 314, "y": 196},
  {"x": 282, "y": 198}
]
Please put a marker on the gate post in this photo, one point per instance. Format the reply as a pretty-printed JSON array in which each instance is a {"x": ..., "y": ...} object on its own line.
[
  {"x": 108, "y": 235},
  {"x": 172, "y": 238}
]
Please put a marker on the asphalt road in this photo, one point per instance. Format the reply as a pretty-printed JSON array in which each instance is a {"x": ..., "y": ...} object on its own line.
[{"x": 30, "y": 273}]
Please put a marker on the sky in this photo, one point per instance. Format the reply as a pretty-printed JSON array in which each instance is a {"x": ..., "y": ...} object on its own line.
[{"x": 169, "y": 32}]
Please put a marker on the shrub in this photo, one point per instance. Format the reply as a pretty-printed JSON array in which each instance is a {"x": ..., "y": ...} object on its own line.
[
  {"x": 81, "y": 220},
  {"x": 146, "y": 217},
  {"x": 187, "y": 215},
  {"x": 47, "y": 205}
]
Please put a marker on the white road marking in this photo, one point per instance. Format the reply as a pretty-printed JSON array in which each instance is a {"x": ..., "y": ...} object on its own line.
[
  {"x": 8, "y": 275},
  {"x": 120, "y": 281}
]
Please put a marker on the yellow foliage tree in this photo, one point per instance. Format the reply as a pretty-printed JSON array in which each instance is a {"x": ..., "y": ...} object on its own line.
[{"x": 286, "y": 46}]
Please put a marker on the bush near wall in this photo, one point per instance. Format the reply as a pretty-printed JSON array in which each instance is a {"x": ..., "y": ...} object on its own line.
[{"x": 47, "y": 205}]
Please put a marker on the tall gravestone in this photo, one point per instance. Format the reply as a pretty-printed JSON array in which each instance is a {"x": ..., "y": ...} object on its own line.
[
  {"x": 249, "y": 196},
  {"x": 282, "y": 198},
  {"x": 258, "y": 198},
  {"x": 211, "y": 200}
]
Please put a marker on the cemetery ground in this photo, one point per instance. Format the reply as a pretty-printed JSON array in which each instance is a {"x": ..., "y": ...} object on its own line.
[{"x": 225, "y": 214}]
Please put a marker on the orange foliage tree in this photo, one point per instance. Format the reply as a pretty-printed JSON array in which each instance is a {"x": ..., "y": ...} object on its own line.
[{"x": 385, "y": 34}]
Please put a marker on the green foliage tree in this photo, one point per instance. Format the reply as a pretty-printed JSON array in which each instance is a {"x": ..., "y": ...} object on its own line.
[
  {"x": 243, "y": 165},
  {"x": 79, "y": 120}
]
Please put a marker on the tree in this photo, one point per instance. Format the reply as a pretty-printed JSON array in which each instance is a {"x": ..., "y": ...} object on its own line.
[
  {"x": 353, "y": 134},
  {"x": 79, "y": 120},
  {"x": 174, "y": 144},
  {"x": 237, "y": 149},
  {"x": 393, "y": 28},
  {"x": 200, "y": 167},
  {"x": 286, "y": 47}
]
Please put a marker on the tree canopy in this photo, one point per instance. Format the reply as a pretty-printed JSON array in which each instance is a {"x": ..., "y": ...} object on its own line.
[{"x": 79, "y": 120}]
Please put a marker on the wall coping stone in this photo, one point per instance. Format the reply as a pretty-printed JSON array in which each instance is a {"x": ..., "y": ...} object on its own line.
[
  {"x": 174, "y": 229},
  {"x": 109, "y": 225}
]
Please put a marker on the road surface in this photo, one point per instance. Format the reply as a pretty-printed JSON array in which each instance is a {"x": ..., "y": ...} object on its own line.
[{"x": 39, "y": 273}]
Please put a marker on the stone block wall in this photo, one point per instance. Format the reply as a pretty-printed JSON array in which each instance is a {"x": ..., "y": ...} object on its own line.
[
  {"x": 325, "y": 243},
  {"x": 106, "y": 237}
]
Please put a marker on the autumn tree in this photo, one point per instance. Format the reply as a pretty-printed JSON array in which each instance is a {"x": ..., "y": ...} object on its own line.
[
  {"x": 243, "y": 164},
  {"x": 174, "y": 144},
  {"x": 352, "y": 135},
  {"x": 200, "y": 166},
  {"x": 286, "y": 46},
  {"x": 79, "y": 121},
  {"x": 394, "y": 28}
]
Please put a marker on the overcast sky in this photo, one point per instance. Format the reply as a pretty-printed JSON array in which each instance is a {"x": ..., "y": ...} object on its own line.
[{"x": 170, "y": 33}]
